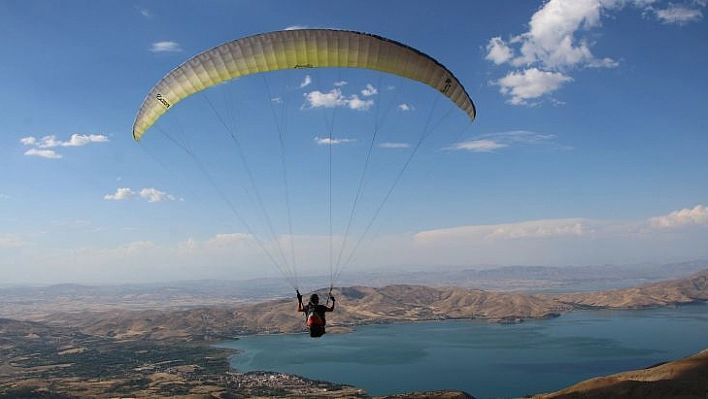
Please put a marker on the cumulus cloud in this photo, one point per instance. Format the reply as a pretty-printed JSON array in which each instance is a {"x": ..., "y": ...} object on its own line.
[
  {"x": 498, "y": 51},
  {"x": 165, "y": 47},
  {"x": 75, "y": 140},
  {"x": 530, "y": 84},
  {"x": 356, "y": 103},
  {"x": 331, "y": 99},
  {"x": 42, "y": 147},
  {"x": 148, "y": 194},
  {"x": 555, "y": 37},
  {"x": 405, "y": 107},
  {"x": 335, "y": 98},
  {"x": 696, "y": 216},
  {"x": 558, "y": 42}
]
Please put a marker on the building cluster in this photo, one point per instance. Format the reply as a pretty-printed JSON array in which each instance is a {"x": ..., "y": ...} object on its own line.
[{"x": 278, "y": 382}]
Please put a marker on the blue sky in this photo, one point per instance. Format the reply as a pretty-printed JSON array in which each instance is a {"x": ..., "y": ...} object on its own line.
[{"x": 590, "y": 145}]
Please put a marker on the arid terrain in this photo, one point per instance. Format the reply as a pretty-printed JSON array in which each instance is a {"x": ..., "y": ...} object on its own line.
[
  {"x": 61, "y": 350},
  {"x": 683, "y": 378}
]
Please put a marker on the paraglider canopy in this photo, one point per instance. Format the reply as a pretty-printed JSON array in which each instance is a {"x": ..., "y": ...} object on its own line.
[{"x": 294, "y": 49}]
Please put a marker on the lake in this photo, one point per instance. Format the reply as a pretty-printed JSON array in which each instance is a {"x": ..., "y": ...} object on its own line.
[{"x": 486, "y": 360}]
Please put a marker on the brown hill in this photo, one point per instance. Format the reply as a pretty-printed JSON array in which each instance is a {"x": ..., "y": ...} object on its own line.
[
  {"x": 355, "y": 306},
  {"x": 671, "y": 293},
  {"x": 366, "y": 305},
  {"x": 685, "y": 378}
]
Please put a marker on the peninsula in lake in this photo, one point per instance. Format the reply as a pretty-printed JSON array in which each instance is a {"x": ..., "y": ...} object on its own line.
[{"x": 75, "y": 342}]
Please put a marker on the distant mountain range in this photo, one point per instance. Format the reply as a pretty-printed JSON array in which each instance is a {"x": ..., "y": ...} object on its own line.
[
  {"x": 359, "y": 305},
  {"x": 34, "y": 301}
]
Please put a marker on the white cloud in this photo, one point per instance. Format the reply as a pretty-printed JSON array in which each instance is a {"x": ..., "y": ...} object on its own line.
[
  {"x": 78, "y": 140},
  {"x": 369, "y": 90},
  {"x": 41, "y": 146},
  {"x": 149, "y": 194},
  {"x": 697, "y": 216},
  {"x": 121, "y": 193},
  {"x": 498, "y": 51},
  {"x": 340, "y": 83},
  {"x": 354, "y": 102},
  {"x": 571, "y": 227},
  {"x": 154, "y": 195},
  {"x": 537, "y": 229},
  {"x": 558, "y": 42},
  {"x": 335, "y": 98},
  {"x": 522, "y": 137},
  {"x": 296, "y": 27},
  {"x": 394, "y": 145},
  {"x": 495, "y": 141},
  {"x": 306, "y": 81},
  {"x": 51, "y": 154},
  {"x": 542, "y": 229},
  {"x": 554, "y": 39},
  {"x": 530, "y": 84},
  {"x": 331, "y": 99},
  {"x": 478, "y": 146},
  {"x": 165, "y": 47},
  {"x": 332, "y": 141},
  {"x": 405, "y": 107},
  {"x": 28, "y": 140},
  {"x": 681, "y": 14},
  {"x": 75, "y": 140}
]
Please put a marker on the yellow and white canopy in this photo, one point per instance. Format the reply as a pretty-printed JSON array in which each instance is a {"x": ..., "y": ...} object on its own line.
[{"x": 292, "y": 49}]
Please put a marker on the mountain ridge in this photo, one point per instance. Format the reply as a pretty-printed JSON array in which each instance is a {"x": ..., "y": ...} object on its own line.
[{"x": 360, "y": 305}]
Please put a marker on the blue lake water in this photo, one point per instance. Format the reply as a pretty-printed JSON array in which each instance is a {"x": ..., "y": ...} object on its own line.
[{"x": 486, "y": 360}]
